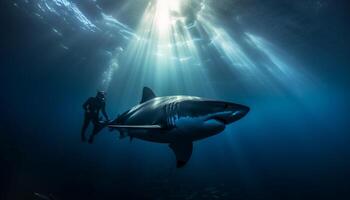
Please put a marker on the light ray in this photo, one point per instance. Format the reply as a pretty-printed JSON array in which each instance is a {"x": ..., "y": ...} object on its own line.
[{"x": 165, "y": 55}]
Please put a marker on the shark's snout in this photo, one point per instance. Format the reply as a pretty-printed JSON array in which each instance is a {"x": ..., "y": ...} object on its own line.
[
  {"x": 238, "y": 113},
  {"x": 244, "y": 110}
]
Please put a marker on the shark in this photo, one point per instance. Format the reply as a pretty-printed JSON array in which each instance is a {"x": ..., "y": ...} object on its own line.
[{"x": 178, "y": 121}]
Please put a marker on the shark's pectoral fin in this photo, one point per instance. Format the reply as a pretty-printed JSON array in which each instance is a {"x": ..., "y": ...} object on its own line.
[{"x": 183, "y": 152}]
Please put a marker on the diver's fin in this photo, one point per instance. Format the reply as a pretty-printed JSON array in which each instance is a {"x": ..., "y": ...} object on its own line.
[
  {"x": 135, "y": 126},
  {"x": 147, "y": 94},
  {"x": 183, "y": 152}
]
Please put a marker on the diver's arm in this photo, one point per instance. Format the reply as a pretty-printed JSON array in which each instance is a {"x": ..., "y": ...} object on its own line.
[
  {"x": 104, "y": 111},
  {"x": 86, "y": 104}
]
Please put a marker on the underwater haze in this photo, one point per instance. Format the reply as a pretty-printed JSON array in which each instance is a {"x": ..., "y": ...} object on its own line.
[{"x": 287, "y": 60}]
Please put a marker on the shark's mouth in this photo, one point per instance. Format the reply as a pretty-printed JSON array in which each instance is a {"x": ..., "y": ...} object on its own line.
[
  {"x": 220, "y": 119},
  {"x": 226, "y": 117}
]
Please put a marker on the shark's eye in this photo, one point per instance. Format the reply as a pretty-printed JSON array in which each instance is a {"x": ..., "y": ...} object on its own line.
[{"x": 226, "y": 106}]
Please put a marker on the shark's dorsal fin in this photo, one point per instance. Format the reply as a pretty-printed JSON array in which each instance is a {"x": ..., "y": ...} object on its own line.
[{"x": 147, "y": 94}]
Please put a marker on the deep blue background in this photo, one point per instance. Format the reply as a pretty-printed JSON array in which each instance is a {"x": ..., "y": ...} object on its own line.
[{"x": 286, "y": 148}]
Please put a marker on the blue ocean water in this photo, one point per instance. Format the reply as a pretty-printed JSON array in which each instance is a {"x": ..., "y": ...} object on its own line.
[{"x": 288, "y": 61}]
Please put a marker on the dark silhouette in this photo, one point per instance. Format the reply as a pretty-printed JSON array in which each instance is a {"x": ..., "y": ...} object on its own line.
[{"x": 92, "y": 109}]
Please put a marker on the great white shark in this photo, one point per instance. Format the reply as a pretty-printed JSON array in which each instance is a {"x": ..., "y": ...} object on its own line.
[{"x": 177, "y": 121}]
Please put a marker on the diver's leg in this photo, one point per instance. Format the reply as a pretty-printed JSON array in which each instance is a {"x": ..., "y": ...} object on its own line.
[
  {"x": 95, "y": 130},
  {"x": 84, "y": 127}
]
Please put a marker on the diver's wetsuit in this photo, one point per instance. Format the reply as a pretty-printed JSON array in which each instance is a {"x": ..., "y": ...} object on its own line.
[{"x": 92, "y": 108}]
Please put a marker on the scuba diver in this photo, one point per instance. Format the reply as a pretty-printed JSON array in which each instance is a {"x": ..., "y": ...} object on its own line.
[{"x": 92, "y": 108}]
